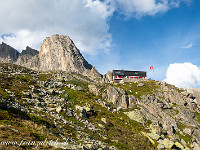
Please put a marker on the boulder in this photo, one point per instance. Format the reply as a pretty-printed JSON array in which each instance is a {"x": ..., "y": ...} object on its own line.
[
  {"x": 179, "y": 145},
  {"x": 83, "y": 110},
  {"x": 161, "y": 146},
  {"x": 79, "y": 88},
  {"x": 188, "y": 131},
  {"x": 153, "y": 136},
  {"x": 103, "y": 120},
  {"x": 140, "y": 84},
  {"x": 131, "y": 101},
  {"x": 111, "y": 95},
  {"x": 196, "y": 146},
  {"x": 69, "y": 112},
  {"x": 125, "y": 101},
  {"x": 196, "y": 94},
  {"x": 156, "y": 129},
  {"x": 186, "y": 116},
  {"x": 93, "y": 89},
  {"x": 71, "y": 86},
  {"x": 58, "y": 109},
  {"x": 166, "y": 143},
  {"x": 121, "y": 91},
  {"x": 175, "y": 97},
  {"x": 109, "y": 76},
  {"x": 136, "y": 115}
]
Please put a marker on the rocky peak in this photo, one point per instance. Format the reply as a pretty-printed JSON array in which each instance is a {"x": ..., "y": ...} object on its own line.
[
  {"x": 58, "y": 52},
  {"x": 8, "y": 54},
  {"x": 26, "y": 56},
  {"x": 29, "y": 51}
]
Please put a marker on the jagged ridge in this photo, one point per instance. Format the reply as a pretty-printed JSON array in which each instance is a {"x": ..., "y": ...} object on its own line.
[
  {"x": 8, "y": 54},
  {"x": 57, "y": 53}
]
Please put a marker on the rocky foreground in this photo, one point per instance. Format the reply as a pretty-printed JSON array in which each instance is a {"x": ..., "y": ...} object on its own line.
[{"x": 68, "y": 107}]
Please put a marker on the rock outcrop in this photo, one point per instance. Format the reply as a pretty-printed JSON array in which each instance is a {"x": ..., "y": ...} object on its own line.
[
  {"x": 94, "y": 89},
  {"x": 171, "y": 111},
  {"x": 97, "y": 116},
  {"x": 8, "y": 54},
  {"x": 26, "y": 56},
  {"x": 57, "y": 53},
  {"x": 194, "y": 94},
  {"x": 108, "y": 77}
]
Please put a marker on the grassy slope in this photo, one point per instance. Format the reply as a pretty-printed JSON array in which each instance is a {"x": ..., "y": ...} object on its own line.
[{"x": 118, "y": 130}]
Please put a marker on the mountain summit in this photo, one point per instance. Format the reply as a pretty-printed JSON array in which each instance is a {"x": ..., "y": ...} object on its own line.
[
  {"x": 26, "y": 55},
  {"x": 57, "y": 53},
  {"x": 8, "y": 54}
]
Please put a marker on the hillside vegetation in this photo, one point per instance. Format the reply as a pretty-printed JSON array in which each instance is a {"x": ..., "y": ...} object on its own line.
[{"x": 81, "y": 113}]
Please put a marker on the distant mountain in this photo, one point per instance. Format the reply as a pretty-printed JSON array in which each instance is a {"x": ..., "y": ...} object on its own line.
[
  {"x": 57, "y": 53},
  {"x": 8, "y": 54},
  {"x": 26, "y": 55}
]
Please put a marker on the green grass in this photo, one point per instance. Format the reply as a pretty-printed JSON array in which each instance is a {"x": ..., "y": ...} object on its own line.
[
  {"x": 174, "y": 88},
  {"x": 130, "y": 109},
  {"x": 4, "y": 94},
  {"x": 187, "y": 138},
  {"x": 44, "y": 77},
  {"x": 38, "y": 135},
  {"x": 148, "y": 89},
  {"x": 16, "y": 126},
  {"x": 41, "y": 120},
  {"x": 78, "y": 83},
  {"x": 73, "y": 119},
  {"x": 116, "y": 128},
  {"x": 197, "y": 116},
  {"x": 119, "y": 130},
  {"x": 182, "y": 126}
]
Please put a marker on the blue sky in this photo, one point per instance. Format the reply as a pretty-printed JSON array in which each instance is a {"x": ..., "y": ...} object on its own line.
[
  {"x": 159, "y": 40},
  {"x": 113, "y": 34}
]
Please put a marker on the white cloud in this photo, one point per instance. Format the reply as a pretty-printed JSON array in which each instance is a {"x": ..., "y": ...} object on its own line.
[
  {"x": 188, "y": 46},
  {"x": 105, "y": 9},
  {"x": 24, "y": 38},
  {"x": 139, "y": 8},
  {"x": 85, "y": 21},
  {"x": 183, "y": 75}
]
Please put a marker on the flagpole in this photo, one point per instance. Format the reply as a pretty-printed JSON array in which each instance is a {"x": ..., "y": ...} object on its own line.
[{"x": 152, "y": 68}]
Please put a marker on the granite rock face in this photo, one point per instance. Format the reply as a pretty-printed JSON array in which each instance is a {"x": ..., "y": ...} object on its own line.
[
  {"x": 57, "y": 53},
  {"x": 169, "y": 110},
  {"x": 8, "y": 54},
  {"x": 26, "y": 56},
  {"x": 195, "y": 94}
]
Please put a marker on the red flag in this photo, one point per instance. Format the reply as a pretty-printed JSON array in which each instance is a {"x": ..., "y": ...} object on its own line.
[{"x": 151, "y": 67}]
